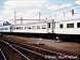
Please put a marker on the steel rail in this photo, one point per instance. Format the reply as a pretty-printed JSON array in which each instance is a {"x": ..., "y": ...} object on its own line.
[
  {"x": 3, "y": 55},
  {"x": 16, "y": 50},
  {"x": 34, "y": 52},
  {"x": 47, "y": 56},
  {"x": 37, "y": 53},
  {"x": 42, "y": 55}
]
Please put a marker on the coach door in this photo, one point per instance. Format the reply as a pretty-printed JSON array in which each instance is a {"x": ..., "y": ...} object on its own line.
[
  {"x": 53, "y": 26},
  {"x": 49, "y": 27},
  {"x": 11, "y": 29}
]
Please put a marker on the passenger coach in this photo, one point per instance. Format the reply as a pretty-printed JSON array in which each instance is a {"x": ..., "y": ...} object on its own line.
[
  {"x": 68, "y": 29},
  {"x": 39, "y": 28},
  {"x": 65, "y": 30}
]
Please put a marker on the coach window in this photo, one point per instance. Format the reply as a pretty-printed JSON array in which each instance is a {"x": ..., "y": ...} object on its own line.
[
  {"x": 78, "y": 25},
  {"x": 38, "y": 27},
  {"x": 29, "y": 27},
  {"x": 44, "y": 27},
  {"x": 25, "y": 27},
  {"x": 6, "y": 28},
  {"x": 70, "y": 25},
  {"x": 61, "y": 25},
  {"x": 33, "y": 27},
  {"x": 17, "y": 28}
]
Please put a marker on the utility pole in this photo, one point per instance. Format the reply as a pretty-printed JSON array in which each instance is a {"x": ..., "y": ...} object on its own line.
[
  {"x": 14, "y": 16},
  {"x": 64, "y": 16},
  {"x": 39, "y": 16},
  {"x": 21, "y": 20},
  {"x": 72, "y": 12}
]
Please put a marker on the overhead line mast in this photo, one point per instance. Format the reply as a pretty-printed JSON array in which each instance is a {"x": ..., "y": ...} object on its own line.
[
  {"x": 14, "y": 16},
  {"x": 39, "y": 16}
]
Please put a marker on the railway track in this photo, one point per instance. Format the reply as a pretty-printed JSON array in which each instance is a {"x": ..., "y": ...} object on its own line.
[
  {"x": 48, "y": 54},
  {"x": 35, "y": 52},
  {"x": 27, "y": 51},
  {"x": 39, "y": 52},
  {"x": 10, "y": 53}
]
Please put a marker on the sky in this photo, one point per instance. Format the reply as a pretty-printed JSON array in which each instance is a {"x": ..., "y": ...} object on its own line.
[{"x": 31, "y": 8}]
